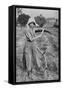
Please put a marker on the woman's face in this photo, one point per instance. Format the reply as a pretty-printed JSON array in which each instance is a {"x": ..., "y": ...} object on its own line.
[{"x": 32, "y": 25}]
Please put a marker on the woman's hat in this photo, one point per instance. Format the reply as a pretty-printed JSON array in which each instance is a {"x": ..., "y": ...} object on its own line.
[{"x": 32, "y": 21}]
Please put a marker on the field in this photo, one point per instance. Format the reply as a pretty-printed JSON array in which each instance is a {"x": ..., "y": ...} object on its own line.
[{"x": 48, "y": 44}]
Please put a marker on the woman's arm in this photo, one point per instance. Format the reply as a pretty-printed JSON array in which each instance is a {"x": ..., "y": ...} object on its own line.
[
  {"x": 28, "y": 35},
  {"x": 39, "y": 28},
  {"x": 38, "y": 35}
]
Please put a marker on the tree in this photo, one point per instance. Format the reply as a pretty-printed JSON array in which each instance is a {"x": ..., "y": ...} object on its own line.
[
  {"x": 23, "y": 19},
  {"x": 56, "y": 24},
  {"x": 40, "y": 20},
  {"x": 18, "y": 12}
]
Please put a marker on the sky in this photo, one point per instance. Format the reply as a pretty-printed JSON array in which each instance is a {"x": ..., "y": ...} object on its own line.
[{"x": 46, "y": 13}]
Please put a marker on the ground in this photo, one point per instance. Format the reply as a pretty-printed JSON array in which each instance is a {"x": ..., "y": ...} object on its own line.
[{"x": 48, "y": 44}]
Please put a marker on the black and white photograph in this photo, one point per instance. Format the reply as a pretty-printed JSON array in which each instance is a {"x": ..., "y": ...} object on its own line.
[{"x": 37, "y": 44}]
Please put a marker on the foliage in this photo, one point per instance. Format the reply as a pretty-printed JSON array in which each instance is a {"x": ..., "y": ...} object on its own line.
[
  {"x": 40, "y": 20},
  {"x": 56, "y": 24},
  {"x": 23, "y": 19}
]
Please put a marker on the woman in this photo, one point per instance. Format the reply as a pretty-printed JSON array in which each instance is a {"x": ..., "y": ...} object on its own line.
[{"x": 32, "y": 52}]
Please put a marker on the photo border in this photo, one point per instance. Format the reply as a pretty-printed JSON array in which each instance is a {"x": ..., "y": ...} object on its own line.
[{"x": 59, "y": 42}]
